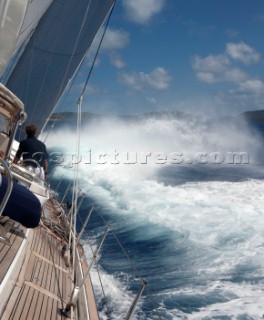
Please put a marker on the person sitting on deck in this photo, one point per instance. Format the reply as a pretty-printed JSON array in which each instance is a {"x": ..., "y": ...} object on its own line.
[
  {"x": 22, "y": 206},
  {"x": 32, "y": 148}
]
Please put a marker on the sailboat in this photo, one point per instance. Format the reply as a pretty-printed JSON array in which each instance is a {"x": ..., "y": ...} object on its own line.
[{"x": 43, "y": 271}]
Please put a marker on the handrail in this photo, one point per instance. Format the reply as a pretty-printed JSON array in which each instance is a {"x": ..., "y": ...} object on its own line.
[
  {"x": 134, "y": 304},
  {"x": 24, "y": 161},
  {"x": 84, "y": 225},
  {"x": 9, "y": 186},
  {"x": 78, "y": 285},
  {"x": 76, "y": 290}
]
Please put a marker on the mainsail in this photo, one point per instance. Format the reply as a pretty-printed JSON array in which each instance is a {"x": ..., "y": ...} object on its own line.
[{"x": 56, "y": 48}]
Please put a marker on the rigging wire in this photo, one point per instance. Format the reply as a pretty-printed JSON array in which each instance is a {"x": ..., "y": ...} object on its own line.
[
  {"x": 132, "y": 264},
  {"x": 71, "y": 81},
  {"x": 78, "y": 135},
  {"x": 75, "y": 46},
  {"x": 75, "y": 195},
  {"x": 78, "y": 129},
  {"x": 72, "y": 54},
  {"x": 97, "y": 51},
  {"x": 93, "y": 252}
]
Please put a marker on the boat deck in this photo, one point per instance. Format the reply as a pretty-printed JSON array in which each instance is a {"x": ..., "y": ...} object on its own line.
[
  {"x": 7, "y": 253},
  {"x": 44, "y": 283}
]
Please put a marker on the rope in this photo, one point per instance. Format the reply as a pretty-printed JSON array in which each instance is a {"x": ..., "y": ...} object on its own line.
[
  {"x": 100, "y": 280},
  {"x": 133, "y": 265},
  {"x": 74, "y": 198},
  {"x": 75, "y": 188},
  {"x": 76, "y": 171},
  {"x": 97, "y": 270},
  {"x": 153, "y": 302},
  {"x": 66, "y": 192},
  {"x": 76, "y": 43},
  {"x": 78, "y": 132}
]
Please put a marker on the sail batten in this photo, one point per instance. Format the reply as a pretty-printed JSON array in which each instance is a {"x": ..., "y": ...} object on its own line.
[{"x": 54, "y": 52}]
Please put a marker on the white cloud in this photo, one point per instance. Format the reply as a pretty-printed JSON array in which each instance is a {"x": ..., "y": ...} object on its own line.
[
  {"x": 216, "y": 68},
  {"x": 211, "y": 63},
  {"x": 255, "y": 87},
  {"x": 158, "y": 79},
  {"x": 151, "y": 100},
  {"x": 246, "y": 91},
  {"x": 117, "y": 61},
  {"x": 113, "y": 42},
  {"x": 242, "y": 52},
  {"x": 141, "y": 11},
  {"x": 115, "y": 39},
  {"x": 234, "y": 75},
  {"x": 219, "y": 68}
]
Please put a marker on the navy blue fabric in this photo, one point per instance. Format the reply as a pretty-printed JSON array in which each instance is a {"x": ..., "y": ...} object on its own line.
[
  {"x": 54, "y": 52},
  {"x": 23, "y": 206},
  {"x": 32, "y": 148}
]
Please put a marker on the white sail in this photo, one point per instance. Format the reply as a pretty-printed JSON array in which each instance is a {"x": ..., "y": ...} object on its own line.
[
  {"x": 12, "y": 13},
  {"x": 53, "y": 36},
  {"x": 35, "y": 11},
  {"x": 59, "y": 43},
  {"x": 17, "y": 19}
]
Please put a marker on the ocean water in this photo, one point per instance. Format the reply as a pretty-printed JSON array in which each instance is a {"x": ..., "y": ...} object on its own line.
[{"x": 189, "y": 216}]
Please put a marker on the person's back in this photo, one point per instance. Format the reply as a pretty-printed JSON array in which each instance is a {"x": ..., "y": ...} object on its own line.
[{"x": 32, "y": 148}]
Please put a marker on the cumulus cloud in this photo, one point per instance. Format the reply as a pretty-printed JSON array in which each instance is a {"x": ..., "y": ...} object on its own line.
[
  {"x": 255, "y": 87},
  {"x": 158, "y": 79},
  {"x": 114, "y": 41},
  {"x": 117, "y": 60},
  {"x": 220, "y": 68},
  {"x": 211, "y": 63},
  {"x": 242, "y": 52},
  {"x": 141, "y": 11},
  {"x": 216, "y": 68}
]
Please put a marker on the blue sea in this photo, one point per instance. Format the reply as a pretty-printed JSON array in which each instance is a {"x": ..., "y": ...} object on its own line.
[{"x": 185, "y": 202}]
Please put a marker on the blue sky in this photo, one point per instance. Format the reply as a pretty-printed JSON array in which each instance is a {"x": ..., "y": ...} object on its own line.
[{"x": 195, "y": 56}]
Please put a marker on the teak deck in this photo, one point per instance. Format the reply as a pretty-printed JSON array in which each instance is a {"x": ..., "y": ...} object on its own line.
[{"x": 43, "y": 285}]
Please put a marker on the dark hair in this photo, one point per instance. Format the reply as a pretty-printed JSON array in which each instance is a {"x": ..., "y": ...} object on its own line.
[{"x": 31, "y": 129}]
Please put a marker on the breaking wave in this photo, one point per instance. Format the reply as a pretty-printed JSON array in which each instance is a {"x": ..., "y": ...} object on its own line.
[{"x": 194, "y": 230}]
